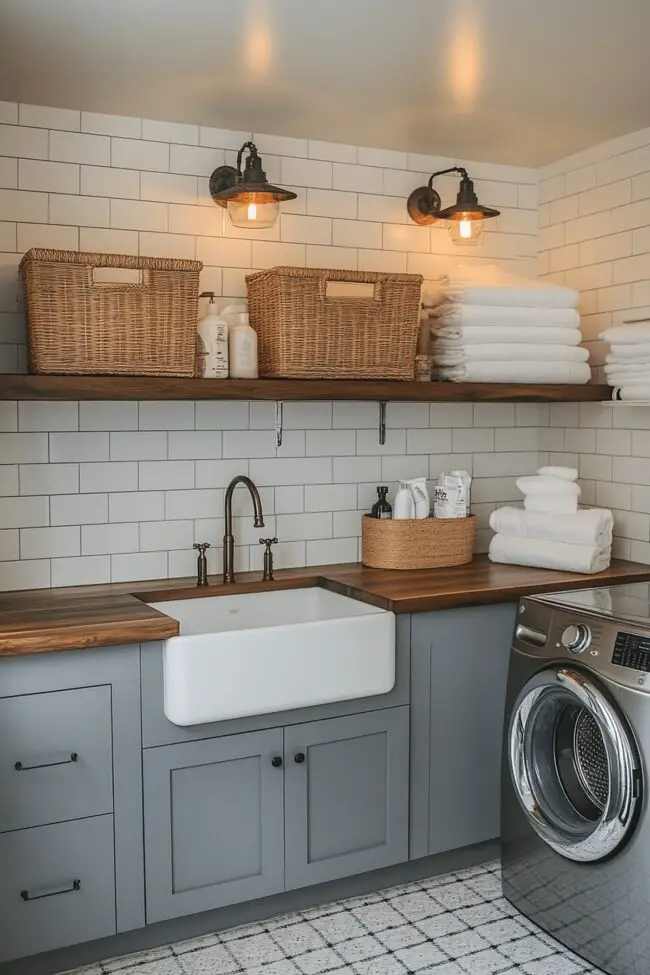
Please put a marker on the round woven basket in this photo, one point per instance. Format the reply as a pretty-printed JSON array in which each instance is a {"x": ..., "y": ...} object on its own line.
[{"x": 428, "y": 543}]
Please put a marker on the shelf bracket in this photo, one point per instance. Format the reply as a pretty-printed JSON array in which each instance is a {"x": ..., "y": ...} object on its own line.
[
  {"x": 382, "y": 422},
  {"x": 279, "y": 419}
]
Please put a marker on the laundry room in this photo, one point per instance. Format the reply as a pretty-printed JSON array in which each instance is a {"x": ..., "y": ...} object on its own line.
[{"x": 324, "y": 487}]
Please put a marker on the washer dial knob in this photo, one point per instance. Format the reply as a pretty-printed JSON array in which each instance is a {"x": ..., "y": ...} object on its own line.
[{"x": 576, "y": 638}]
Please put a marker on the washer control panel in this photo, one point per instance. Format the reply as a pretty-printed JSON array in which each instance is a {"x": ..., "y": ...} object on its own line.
[
  {"x": 632, "y": 651},
  {"x": 576, "y": 637}
]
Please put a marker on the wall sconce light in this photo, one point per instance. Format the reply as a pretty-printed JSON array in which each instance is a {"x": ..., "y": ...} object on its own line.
[
  {"x": 250, "y": 199},
  {"x": 465, "y": 216}
]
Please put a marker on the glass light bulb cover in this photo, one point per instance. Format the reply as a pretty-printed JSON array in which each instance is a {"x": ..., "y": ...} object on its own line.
[
  {"x": 465, "y": 231},
  {"x": 252, "y": 214}
]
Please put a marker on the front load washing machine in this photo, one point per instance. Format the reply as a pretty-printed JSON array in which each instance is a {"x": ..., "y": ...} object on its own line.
[{"x": 575, "y": 827}]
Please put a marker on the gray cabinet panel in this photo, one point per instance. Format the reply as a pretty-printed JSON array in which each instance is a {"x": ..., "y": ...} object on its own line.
[
  {"x": 39, "y": 736},
  {"x": 213, "y": 823},
  {"x": 157, "y": 730},
  {"x": 346, "y": 804},
  {"x": 114, "y": 674},
  {"x": 43, "y": 863},
  {"x": 469, "y": 651}
]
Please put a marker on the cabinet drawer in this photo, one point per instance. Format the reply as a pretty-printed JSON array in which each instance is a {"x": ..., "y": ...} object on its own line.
[
  {"x": 55, "y": 757},
  {"x": 57, "y": 886}
]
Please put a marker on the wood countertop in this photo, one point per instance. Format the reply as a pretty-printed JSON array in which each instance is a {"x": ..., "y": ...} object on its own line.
[{"x": 84, "y": 617}]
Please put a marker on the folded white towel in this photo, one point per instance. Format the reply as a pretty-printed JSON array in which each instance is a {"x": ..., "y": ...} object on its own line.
[
  {"x": 636, "y": 360},
  {"x": 549, "y": 554},
  {"x": 547, "y": 484},
  {"x": 455, "y": 313},
  {"x": 590, "y": 526},
  {"x": 517, "y": 372},
  {"x": 627, "y": 368},
  {"x": 559, "y": 504},
  {"x": 621, "y": 379},
  {"x": 534, "y": 294},
  {"x": 632, "y": 333},
  {"x": 504, "y": 352},
  {"x": 629, "y": 353},
  {"x": 519, "y": 334},
  {"x": 565, "y": 473}
]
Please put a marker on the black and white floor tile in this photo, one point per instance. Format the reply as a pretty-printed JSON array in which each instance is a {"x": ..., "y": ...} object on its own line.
[{"x": 456, "y": 924}]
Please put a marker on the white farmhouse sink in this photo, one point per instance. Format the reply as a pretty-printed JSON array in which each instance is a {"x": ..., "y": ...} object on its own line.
[{"x": 255, "y": 653}]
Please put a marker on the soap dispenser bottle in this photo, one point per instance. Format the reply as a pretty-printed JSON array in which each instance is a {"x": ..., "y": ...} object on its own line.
[
  {"x": 242, "y": 339},
  {"x": 212, "y": 343}
]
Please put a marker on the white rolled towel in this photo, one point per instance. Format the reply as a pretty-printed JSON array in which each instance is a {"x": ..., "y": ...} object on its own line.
[
  {"x": 504, "y": 352},
  {"x": 590, "y": 526},
  {"x": 522, "y": 371},
  {"x": 565, "y": 473},
  {"x": 536, "y": 484},
  {"x": 520, "y": 334},
  {"x": 636, "y": 392},
  {"x": 454, "y": 313},
  {"x": 559, "y": 504},
  {"x": 547, "y": 554}
]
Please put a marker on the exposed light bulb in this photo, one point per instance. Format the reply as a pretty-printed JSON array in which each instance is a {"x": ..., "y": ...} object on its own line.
[
  {"x": 465, "y": 229},
  {"x": 252, "y": 211}
]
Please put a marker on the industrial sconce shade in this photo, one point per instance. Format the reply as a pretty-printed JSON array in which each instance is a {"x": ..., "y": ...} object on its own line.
[
  {"x": 466, "y": 214},
  {"x": 250, "y": 199}
]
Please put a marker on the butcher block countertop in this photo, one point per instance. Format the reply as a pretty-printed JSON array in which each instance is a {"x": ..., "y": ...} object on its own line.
[{"x": 84, "y": 617}]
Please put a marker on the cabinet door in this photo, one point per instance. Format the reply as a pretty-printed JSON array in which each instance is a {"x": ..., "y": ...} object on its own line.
[
  {"x": 460, "y": 668},
  {"x": 346, "y": 801},
  {"x": 213, "y": 814}
]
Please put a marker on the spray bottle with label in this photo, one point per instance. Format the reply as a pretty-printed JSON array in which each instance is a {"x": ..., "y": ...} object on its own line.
[{"x": 212, "y": 343}]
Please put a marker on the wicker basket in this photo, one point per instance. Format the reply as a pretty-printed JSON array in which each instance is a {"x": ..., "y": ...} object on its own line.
[
  {"x": 305, "y": 333},
  {"x": 80, "y": 326},
  {"x": 426, "y": 544}
]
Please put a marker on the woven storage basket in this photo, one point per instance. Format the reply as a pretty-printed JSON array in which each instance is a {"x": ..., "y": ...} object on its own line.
[
  {"x": 426, "y": 544},
  {"x": 77, "y": 325},
  {"x": 305, "y": 333}
]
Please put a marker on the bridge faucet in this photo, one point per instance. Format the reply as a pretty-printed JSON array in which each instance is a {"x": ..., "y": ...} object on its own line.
[{"x": 228, "y": 538}]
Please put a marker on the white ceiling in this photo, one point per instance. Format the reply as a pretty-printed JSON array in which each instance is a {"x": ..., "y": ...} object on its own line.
[{"x": 514, "y": 81}]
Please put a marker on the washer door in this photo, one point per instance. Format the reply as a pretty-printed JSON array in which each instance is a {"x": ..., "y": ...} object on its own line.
[{"x": 574, "y": 765}]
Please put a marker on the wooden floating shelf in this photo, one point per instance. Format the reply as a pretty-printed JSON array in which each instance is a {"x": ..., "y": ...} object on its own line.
[{"x": 21, "y": 387}]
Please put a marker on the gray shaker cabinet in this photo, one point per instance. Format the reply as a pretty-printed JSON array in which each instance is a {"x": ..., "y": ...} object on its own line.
[
  {"x": 213, "y": 823},
  {"x": 459, "y": 667},
  {"x": 346, "y": 795}
]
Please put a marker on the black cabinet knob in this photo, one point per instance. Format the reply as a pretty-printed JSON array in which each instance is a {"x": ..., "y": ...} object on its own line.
[
  {"x": 276, "y": 761},
  {"x": 299, "y": 758}
]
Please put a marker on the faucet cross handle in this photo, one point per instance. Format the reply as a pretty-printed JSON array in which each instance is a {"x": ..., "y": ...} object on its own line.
[
  {"x": 268, "y": 558},
  {"x": 202, "y": 563}
]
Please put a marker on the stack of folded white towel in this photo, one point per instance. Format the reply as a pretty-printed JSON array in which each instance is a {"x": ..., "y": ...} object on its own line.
[
  {"x": 549, "y": 531},
  {"x": 627, "y": 364},
  {"x": 491, "y": 326}
]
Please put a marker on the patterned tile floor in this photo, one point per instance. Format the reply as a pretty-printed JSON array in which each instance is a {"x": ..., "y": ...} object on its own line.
[{"x": 456, "y": 924}]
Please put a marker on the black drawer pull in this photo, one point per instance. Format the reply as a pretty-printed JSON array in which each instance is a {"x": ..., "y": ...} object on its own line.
[
  {"x": 26, "y": 896},
  {"x": 276, "y": 761},
  {"x": 299, "y": 758},
  {"x": 26, "y": 768}
]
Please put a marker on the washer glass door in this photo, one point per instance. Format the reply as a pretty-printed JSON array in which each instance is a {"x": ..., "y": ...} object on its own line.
[{"x": 574, "y": 765}]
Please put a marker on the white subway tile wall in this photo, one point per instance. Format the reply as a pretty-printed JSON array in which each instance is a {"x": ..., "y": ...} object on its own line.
[
  {"x": 77, "y": 505},
  {"x": 595, "y": 236},
  {"x": 94, "y": 492}
]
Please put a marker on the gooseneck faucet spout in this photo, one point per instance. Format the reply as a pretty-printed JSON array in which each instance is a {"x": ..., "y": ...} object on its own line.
[{"x": 228, "y": 538}]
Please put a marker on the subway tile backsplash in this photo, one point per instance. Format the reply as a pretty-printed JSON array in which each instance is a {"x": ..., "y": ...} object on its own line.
[{"x": 96, "y": 505}]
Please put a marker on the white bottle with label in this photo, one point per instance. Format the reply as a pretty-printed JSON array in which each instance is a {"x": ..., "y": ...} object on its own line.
[
  {"x": 242, "y": 342},
  {"x": 212, "y": 343}
]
